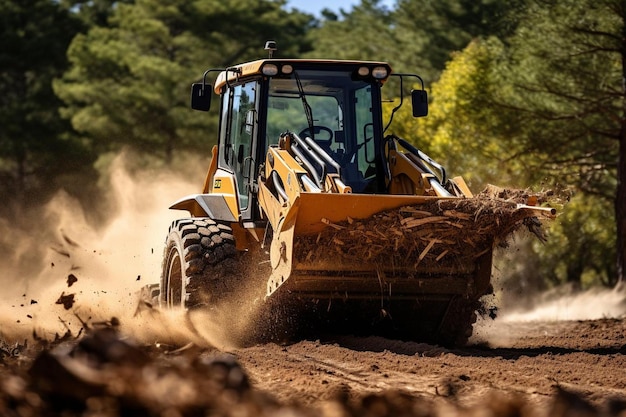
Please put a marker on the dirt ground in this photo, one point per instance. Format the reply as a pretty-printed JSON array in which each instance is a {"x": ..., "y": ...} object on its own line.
[
  {"x": 537, "y": 368},
  {"x": 582, "y": 357}
]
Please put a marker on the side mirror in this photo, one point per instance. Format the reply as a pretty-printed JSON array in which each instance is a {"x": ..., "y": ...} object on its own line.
[
  {"x": 201, "y": 96},
  {"x": 419, "y": 100}
]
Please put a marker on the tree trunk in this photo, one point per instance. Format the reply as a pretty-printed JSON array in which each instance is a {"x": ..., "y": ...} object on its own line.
[
  {"x": 620, "y": 206},
  {"x": 620, "y": 197}
]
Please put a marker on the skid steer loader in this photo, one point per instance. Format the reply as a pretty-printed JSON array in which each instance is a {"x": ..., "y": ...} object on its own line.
[{"x": 345, "y": 219}]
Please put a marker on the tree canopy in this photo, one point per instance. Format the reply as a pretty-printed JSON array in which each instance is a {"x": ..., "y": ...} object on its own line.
[
  {"x": 128, "y": 83},
  {"x": 567, "y": 66},
  {"x": 34, "y": 35}
]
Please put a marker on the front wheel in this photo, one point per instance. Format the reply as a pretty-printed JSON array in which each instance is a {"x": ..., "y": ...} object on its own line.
[{"x": 198, "y": 263}]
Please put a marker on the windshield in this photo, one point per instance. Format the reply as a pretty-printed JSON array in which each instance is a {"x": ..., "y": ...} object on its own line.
[{"x": 342, "y": 118}]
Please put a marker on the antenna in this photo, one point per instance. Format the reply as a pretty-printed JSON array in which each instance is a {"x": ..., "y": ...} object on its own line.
[{"x": 270, "y": 46}]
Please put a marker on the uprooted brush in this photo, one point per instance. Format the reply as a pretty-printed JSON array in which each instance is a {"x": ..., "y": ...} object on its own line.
[{"x": 454, "y": 230}]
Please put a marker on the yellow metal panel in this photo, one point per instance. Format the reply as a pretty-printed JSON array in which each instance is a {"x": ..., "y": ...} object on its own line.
[
  {"x": 247, "y": 69},
  {"x": 224, "y": 183},
  {"x": 405, "y": 174},
  {"x": 208, "y": 181},
  {"x": 284, "y": 157},
  {"x": 460, "y": 182},
  {"x": 272, "y": 208},
  {"x": 338, "y": 207}
]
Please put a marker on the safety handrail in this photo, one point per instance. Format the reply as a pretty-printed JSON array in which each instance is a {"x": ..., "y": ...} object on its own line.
[
  {"x": 427, "y": 159},
  {"x": 300, "y": 149},
  {"x": 323, "y": 154}
]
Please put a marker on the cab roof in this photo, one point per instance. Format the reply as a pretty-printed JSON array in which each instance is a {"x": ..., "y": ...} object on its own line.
[{"x": 252, "y": 68}]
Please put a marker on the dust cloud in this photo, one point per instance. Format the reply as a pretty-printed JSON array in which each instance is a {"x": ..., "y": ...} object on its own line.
[
  {"x": 65, "y": 273},
  {"x": 561, "y": 304}
]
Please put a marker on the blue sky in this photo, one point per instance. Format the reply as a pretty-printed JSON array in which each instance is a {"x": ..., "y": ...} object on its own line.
[{"x": 316, "y": 6}]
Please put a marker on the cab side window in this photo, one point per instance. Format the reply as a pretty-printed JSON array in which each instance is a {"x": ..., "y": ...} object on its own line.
[
  {"x": 365, "y": 132},
  {"x": 237, "y": 154}
]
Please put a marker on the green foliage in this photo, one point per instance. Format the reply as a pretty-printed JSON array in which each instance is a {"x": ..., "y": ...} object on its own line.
[
  {"x": 364, "y": 33},
  {"x": 417, "y": 35},
  {"x": 93, "y": 12},
  {"x": 427, "y": 31},
  {"x": 566, "y": 70},
  {"x": 34, "y": 35},
  {"x": 581, "y": 245},
  {"x": 465, "y": 129},
  {"x": 235, "y": 31},
  {"x": 128, "y": 84}
]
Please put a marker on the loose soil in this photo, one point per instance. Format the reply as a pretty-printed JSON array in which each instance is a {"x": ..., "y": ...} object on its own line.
[{"x": 538, "y": 368}]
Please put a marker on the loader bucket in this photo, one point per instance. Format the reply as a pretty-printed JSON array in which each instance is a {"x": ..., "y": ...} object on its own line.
[
  {"x": 317, "y": 210},
  {"x": 398, "y": 246}
]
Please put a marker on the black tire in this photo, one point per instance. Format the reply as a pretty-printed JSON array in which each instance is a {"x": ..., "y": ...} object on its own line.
[{"x": 199, "y": 263}]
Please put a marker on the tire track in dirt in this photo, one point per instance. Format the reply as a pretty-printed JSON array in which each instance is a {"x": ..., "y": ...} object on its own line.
[{"x": 540, "y": 358}]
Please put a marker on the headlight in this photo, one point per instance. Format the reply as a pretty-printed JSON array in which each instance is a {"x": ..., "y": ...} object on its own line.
[
  {"x": 379, "y": 73},
  {"x": 269, "y": 70}
]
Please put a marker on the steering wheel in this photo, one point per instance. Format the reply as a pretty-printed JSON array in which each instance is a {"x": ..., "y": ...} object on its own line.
[{"x": 316, "y": 131}]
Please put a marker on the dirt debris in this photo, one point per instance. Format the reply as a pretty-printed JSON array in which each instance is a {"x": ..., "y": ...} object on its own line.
[
  {"x": 66, "y": 300},
  {"x": 429, "y": 235},
  {"x": 105, "y": 373},
  {"x": 71, "y": 280}
]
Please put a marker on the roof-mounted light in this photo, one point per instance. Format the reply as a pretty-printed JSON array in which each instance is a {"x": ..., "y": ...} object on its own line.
[
  {"x": 363, "y": 71},
  {"x": 287, "y": 69},
  {"x": 270, "y": 70},
  {"x": 380, "y": 73}
]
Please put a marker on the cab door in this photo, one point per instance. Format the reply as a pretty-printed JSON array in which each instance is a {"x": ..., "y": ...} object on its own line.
[{"x": 239, "y": 142}]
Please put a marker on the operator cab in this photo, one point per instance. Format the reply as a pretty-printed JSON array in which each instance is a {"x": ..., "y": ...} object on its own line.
[{"x": 335, "y": 103}]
